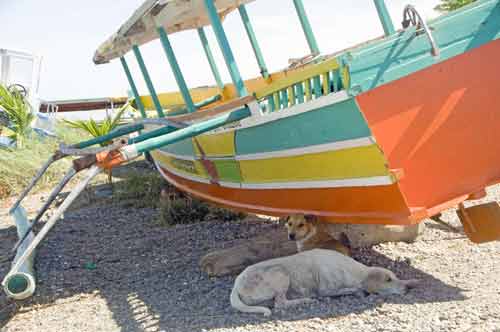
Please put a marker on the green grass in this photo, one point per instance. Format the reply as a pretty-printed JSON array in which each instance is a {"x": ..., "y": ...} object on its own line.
[{"x": 18, "y": 166}]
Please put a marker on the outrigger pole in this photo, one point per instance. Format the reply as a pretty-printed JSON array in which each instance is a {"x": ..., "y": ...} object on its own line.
[
  {"x": 385, "y": 18},
  {"x": 210, "y": 58},
  {"x": 130, "y": 79},
  {"x": 253, "y": 41},
  {"x": 149, "y": 83},
  {"x": 306, "y": 27},
  {"x": 225, "y": 48},
  {"x": 179, "y": 78}
]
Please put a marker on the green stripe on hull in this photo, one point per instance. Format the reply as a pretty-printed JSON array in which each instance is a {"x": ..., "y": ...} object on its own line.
[
  {"x": 228, "y": 170},
  {"x": 389, "y": 59},
  {"x": 338, "y": 122},
  {"x": 181, "y": 148}
]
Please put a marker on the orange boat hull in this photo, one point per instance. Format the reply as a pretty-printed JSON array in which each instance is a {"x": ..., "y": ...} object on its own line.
[{"x": 441, "y": 126}]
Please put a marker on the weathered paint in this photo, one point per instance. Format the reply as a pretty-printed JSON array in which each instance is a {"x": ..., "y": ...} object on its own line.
[{"x": 188, "y": 167}]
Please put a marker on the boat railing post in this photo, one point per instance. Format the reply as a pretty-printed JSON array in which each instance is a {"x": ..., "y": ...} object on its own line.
[
  {"x": 253, "y": 40},
  {"x": 385, "y": 18},
  {"x": 225, "y": 48},
  {"x": 133, "y": 87},
  {"x": 306, "y": 27},
  {"x": 174, "y": 65},
  {"x": 149, "y": 83},
  {"x": 210, "y": 58}
]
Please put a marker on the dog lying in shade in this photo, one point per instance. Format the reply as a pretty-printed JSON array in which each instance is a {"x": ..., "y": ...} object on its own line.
[
  {"x": 312, "y": 273},
  {"x": 309, "y": 233}
]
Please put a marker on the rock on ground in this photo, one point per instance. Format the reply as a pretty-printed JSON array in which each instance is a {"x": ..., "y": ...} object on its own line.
[{"x": 109, "y": 268}]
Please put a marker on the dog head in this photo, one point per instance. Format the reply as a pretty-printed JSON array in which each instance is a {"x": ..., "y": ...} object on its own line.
[
  {"x": 384, "y": 282},
  {"x": 299, "y": 226}
]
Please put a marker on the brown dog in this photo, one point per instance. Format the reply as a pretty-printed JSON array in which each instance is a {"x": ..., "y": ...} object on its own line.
[{"x": 309, "y": 233}]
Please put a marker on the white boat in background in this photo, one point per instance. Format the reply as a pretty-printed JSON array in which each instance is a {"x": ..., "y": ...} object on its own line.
[{"x": 21, "y": 70}]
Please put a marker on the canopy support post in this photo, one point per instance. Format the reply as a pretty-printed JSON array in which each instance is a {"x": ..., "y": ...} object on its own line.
[
  {"x": 225, "y": 48},
  {"x": 149, "y": 83},
  {"x": 385, "y": 18},
  {"x": 131, "y": 82},
  {"x": 253, "y": 41},
  {"x": 210, "y": 58},
  {"x": 179, "y": 78},
  {"x": 306, "y": 27}
]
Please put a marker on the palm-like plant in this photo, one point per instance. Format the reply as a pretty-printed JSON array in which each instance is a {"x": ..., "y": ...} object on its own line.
[
  {"x": 97, "y": 129},
  {"x": 17, "y": 114},
  {"x": 450, "y": 5}
]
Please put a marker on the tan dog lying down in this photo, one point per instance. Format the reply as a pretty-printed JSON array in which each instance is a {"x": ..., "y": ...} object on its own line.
[
  {"x": 317, "y": 272},
  {"x": 309, "y": 233}
]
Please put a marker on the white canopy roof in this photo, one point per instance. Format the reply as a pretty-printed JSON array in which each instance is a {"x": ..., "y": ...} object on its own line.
[{"x": 173, "y": 15}]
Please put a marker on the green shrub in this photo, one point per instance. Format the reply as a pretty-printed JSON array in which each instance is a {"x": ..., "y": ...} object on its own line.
[
  {"x": 450, "y": 5},
  {"x": 18, "y": 114}
]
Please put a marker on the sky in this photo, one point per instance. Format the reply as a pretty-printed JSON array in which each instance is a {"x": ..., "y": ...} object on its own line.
[{"x": 67, "y": 33}]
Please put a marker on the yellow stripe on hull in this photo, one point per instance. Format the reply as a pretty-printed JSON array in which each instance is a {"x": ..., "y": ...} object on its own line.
[
  {"x": 366, "y": 161},
  {"x": 216, "y": 145},
  {"x": 188, "y": 167}
]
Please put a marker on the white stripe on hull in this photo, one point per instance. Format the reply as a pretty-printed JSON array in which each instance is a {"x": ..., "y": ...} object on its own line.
[
  {"x": 341, "y": 145},
  {"x": 354, "y": 182}
]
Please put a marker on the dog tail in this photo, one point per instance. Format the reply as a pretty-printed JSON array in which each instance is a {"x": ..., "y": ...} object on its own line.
[{"x": 238, "y": 304}]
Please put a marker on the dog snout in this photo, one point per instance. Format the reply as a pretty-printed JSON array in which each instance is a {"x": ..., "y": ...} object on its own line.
[{"x": 291, "y": 236}]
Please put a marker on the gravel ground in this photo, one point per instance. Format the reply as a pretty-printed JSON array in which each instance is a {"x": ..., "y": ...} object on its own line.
[{"x": 109, "y": 268}]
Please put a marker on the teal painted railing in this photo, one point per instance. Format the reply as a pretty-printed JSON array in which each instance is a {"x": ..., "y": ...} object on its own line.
[
  {"x": 147, "y": 79},
  {"x": 311, "y": 83},
  {"x": 306, "y": 26},
  {"x": 385, "y": 18},
  {"x": 133, "y": 87},
  {"x": 225, "y": 48},
  {"x": 210, "y": 58},
  {"x": 174, "y": 65},
  {"x": 253, "y": 41}
]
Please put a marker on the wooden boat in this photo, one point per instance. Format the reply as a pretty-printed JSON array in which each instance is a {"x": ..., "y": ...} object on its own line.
[{"x": 388, "y": 132}]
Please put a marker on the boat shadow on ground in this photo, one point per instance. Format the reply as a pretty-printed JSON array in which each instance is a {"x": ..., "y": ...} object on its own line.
[{"x": 150, "y": 278}]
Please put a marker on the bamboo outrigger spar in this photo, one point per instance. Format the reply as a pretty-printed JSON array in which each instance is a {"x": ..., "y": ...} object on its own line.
[{"x": 388, "y": 132}]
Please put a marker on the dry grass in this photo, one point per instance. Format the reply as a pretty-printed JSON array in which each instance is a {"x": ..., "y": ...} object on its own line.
[
  {"x": 17, "y": 167},
  {"x": 147, "y": 189}
]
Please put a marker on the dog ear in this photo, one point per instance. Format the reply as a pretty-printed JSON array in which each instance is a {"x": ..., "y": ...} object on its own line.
[
  {"x": 283, "y": 220},
  {"x": 311, "y": 218}
]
